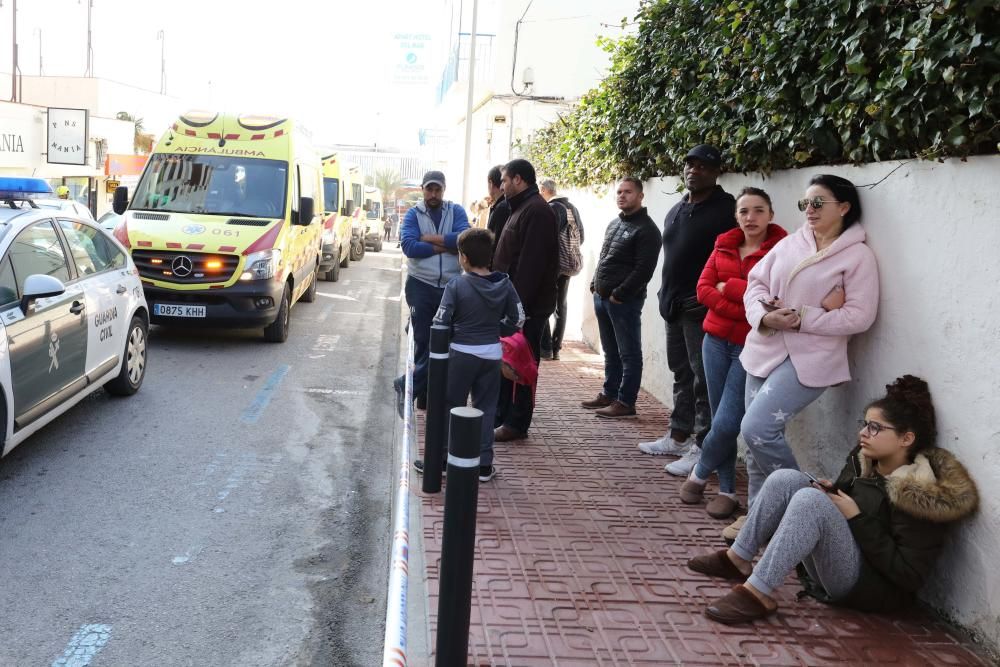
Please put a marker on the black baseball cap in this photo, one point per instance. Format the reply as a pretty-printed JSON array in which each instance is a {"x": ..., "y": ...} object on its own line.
[
  {"x": 706, "y": 153},
  {"x": 433, "y": 177}
]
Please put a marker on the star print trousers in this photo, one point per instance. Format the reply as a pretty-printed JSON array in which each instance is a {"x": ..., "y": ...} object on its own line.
[
  {"x": 771, "y": 402},
  {"x": 804, "y": 526}
]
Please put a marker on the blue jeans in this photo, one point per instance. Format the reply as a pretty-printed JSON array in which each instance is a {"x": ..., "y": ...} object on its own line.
[
  {"x": 620, "y": 325},
  {"x": 726, "y": 382},
  {"x": 423, "y": 300}
]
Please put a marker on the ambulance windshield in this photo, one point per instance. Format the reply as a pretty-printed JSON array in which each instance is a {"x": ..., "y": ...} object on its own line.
[{"x": 213, "y": 185}]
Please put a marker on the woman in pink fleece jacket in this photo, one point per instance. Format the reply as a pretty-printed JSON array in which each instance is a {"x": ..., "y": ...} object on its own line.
[{"x": 804, "y": 300}]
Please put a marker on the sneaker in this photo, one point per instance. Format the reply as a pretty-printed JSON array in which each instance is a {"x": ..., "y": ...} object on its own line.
[
  {"x": 400, "y": 396},
  {"x": 422, "y": 402},
  {"x": 555, "y": 355},
  {"x": 418, "y": 465},
  {"x": 683, "y": 466},
  {"x": 730, "y": 532},
  {"x": 616, "y": 410},
  {"x": 665, "y": 445},
  {"x": 486, "y": 473},
  {"x": 601, "y": 401}
]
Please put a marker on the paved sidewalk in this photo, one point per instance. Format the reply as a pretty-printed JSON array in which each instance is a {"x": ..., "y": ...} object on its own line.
[{"x": 582, "y": 544}]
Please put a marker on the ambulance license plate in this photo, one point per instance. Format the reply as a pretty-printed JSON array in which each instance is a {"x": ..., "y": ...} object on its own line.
[{"x": 177, "y": 310}]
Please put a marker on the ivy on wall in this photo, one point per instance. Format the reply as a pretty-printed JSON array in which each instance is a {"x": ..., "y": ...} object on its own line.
[{"x": 785, "y": 83}]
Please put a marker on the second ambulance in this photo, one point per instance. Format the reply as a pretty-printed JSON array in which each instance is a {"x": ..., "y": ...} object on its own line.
[{"x": 222, "y": 225}]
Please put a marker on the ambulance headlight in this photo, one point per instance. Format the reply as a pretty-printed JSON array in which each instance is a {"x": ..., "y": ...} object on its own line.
[{"x": 262, "y": 265}]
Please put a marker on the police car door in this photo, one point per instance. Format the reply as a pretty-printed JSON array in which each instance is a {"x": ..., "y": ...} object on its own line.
[
  {"x": 101, "y": 271},
  {"x": 47, "y": 345}
]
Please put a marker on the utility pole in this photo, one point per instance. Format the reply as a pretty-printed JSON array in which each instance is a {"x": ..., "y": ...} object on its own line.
[
  {"x": 39, "y": 31},
  {"x": 90, "y": 48},
  {"x": 469, "y": 102},
  {"x": 13, "y": 69},
  {"x": 163, "y": 61}
]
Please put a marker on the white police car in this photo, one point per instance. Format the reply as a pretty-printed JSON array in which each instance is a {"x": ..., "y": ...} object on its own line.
[{"x": 72, "y": 314}]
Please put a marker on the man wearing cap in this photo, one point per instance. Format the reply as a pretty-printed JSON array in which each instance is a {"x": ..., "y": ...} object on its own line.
[
  {"x": 429, "y": 237},
  {"x": 689, "y": 234}
]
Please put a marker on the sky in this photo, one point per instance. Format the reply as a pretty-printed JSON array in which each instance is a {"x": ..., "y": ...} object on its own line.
[{"x": 331, "y": 65}]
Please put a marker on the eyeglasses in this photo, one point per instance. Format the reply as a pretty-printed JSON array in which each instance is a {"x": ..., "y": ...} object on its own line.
[
  {"x": 815, "y": 202},
  {"x": 874, "y": 428}
]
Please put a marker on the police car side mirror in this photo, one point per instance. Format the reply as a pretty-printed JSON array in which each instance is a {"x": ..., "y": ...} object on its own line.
[
  {"x": 120, "y": 202},
  {"x": 40, "y": 286},
  {"x": 306, "y": 211}
]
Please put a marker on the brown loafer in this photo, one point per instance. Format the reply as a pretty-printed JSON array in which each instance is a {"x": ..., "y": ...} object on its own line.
[
  {"x": 692, "y": 492},
  {"x": 722, "y": 507},
  {"x": 506, "y": 434},
  {"x": 717, "y": 564},
  {"x": 737, "y": 606},
  {"x": 601, "y": 401},
  {"x": 616, "y": 410}
]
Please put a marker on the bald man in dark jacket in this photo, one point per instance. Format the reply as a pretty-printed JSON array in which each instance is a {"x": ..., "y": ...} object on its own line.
[{"x": 528, "y": 251}]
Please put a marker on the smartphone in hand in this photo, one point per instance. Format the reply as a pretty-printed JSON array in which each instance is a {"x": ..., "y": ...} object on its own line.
[
  {"x": 768, "y": 306},
  {"x": 826, "y": 487}
]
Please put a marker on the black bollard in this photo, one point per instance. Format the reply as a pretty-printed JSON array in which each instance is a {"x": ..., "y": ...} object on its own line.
[
  {"x": 458, "y": 543},
  {"x": 436, "y": 421}
]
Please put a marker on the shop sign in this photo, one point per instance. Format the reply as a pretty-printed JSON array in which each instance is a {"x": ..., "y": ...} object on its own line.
[
  {"x": 110, "y": 186},
  {"x": 67, "y": 136},
  {"x": 19, "y": 142},
  {"x": 412, "y": 58}
]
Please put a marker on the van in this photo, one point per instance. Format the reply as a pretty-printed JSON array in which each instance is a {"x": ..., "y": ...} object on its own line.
[
  {"x": 222, "y": 225},
  {"x": 338, "y": 216},
  {"x": 374, "y": 215}
]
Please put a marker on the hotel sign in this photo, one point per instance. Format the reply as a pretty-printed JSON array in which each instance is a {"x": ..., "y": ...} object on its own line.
[
  {"x": 66, "y": 142},
  {"x": 19, "y": 145}
]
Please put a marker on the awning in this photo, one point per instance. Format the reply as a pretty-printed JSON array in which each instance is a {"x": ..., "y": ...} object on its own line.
[{"x": 124, "y": 165}]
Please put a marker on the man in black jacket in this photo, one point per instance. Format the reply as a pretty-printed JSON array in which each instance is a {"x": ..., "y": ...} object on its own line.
[
  {"x": 689, "y": 234},
  {"x": 528, "y": 251},
  {"x": 628, "y": 260},
  {"x": 499, "y": 209}
]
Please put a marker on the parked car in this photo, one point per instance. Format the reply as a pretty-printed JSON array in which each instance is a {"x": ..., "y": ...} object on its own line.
[
  {"x": 109, "y": 221},
  {"x": 68, "y": 205}
]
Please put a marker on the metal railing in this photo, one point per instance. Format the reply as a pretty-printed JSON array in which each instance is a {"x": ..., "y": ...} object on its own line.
[{"x": 394, "y": 649}]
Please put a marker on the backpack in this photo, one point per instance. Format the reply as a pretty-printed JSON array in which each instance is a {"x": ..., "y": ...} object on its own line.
[{"x": 570, "y": 258}]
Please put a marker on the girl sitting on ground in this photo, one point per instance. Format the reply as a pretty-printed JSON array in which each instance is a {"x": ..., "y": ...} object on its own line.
[{"x": 870, "y": 539}]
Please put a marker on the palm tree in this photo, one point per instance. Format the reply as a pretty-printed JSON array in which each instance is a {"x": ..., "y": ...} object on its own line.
[
  {"x": 389, "y": 182},
  {"x": 141, "y": 142}
]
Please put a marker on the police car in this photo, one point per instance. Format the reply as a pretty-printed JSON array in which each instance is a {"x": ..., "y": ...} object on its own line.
[{"x": 72, "y": 313}]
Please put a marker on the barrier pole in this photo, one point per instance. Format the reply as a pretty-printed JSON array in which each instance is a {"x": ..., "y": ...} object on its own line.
[
  {"x": 394, "y": 646},
  {"x": 458, "y": 543},
  {"x": 436, "y": 421}
]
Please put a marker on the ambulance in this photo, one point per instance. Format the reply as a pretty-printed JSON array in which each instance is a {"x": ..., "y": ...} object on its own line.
[
  {"x": 338, "y": 216},
  {"x": 222, "y": 225},
  {"x": 354, "y": 190},
  {"x": 373, "y": 219}
]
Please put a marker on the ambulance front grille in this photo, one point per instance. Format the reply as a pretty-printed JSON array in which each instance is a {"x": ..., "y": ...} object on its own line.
[
  {"x": 151, "y": 216},
  {"x": 165, "y": 265},
  {"x": 248, "y": 223}
]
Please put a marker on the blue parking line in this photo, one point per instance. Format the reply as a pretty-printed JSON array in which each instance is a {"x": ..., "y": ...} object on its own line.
[{"x": 256, "y": 409}]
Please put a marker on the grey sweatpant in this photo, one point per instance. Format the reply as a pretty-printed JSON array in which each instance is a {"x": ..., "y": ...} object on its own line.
[
  {"x": 467, "y": 374},
  {"x": 804, "y": 526},
  {"x": 770, "y": 403}
]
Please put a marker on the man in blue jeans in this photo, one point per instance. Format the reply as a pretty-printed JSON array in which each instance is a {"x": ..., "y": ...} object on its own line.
[
  {"x": 628, "y": 260},
  {"x": 429, "y": 237}
]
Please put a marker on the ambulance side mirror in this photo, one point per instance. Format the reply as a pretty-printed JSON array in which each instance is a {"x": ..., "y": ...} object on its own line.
[
  {"x": 120, "y": 202},
  {"x": 306, "y": 211},
  {"x": 40, "y": 286},
  {"x": 349, "y": 207}
]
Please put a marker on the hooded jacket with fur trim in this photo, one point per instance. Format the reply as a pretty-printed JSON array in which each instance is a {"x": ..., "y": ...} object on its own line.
[{"x": 903, "y": 522}]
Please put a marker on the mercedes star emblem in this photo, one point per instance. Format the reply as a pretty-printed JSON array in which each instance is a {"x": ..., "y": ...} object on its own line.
[{"x": 182, "y": 266}]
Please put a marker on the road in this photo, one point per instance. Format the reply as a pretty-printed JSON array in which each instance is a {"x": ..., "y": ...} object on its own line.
[{"x": 235, "y": 511}]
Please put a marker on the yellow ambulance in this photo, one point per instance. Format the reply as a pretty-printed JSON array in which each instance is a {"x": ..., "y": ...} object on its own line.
[
  {"x": 222, "y": 225},
  {"x": 374, "y": 219},
  {"x": 338, "y": 213}
]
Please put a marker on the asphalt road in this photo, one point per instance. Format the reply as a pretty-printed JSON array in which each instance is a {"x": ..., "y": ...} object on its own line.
[{"x": 236, "y": 511}]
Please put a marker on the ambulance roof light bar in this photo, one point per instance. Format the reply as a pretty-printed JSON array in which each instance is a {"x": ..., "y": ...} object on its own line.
[{"x": 13, "y": 189}]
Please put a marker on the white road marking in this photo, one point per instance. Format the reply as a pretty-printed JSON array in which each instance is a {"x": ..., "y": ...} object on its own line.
[
  {"x": 337, "y": 296},
  {"x": 326, "y": 343},
  {"x": 338, "y": 392},
  {"x": 388, "y": 298},
  {"x": 188, "y": 556},
  {"x": 85, "y": 644}
]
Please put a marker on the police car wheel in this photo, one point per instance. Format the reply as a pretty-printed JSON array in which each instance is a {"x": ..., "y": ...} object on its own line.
[
  {"x": 133, "y": 369},
  {"x": 310, "y": 294},
  {"x": 277, "y": 331}
]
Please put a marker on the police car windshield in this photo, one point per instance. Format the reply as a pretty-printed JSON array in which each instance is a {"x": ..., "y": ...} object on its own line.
[{"x": 213, "y": 185}]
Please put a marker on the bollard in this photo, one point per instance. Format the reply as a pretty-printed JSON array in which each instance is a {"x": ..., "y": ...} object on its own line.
[
  {"x": 458, "y": 543},
  {"x": 436, "y": 419}
]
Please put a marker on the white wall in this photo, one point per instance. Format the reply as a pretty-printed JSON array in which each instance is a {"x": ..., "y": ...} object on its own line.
[{"x": 935, "y": 230}]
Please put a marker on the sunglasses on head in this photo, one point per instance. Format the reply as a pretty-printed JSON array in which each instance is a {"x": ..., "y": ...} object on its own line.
[{"x": 815, "y": 202}]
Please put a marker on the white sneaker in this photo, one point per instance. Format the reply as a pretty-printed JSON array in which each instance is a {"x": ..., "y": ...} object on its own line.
[
  {"x": 683, "y": 466},
  {"x": 665, "y": 445}
]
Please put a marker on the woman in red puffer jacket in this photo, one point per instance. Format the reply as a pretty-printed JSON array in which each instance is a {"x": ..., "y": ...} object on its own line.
[{"x": 721, "y": 288}]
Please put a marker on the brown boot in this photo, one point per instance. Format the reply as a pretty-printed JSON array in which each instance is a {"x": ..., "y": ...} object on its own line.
[
  {"x": 692, "y": 492},
  {"x": 738, "y": 606},
  {"x": 601, "y": 401},
  {"x": 616, "y": 410},
  {"x": 722, "y": 507},
  {"x": 506, "y": 434}
]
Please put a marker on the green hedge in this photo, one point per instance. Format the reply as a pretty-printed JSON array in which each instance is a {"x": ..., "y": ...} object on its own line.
[{"x": 780, "y": 84}]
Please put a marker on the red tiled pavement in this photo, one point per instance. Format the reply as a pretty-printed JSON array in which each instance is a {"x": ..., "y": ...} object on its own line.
[{"x": 581, "y": 551}]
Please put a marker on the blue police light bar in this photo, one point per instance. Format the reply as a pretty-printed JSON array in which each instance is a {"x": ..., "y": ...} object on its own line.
[{"x": 23, "y": 188}]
